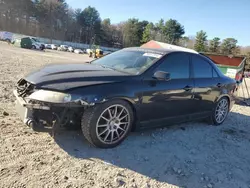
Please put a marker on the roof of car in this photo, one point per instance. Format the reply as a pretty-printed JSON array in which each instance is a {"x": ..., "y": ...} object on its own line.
[{"x": 162, "y": 51}]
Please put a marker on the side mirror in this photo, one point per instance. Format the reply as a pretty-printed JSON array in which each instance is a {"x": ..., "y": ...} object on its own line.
[{"x": 161, "y": 75}]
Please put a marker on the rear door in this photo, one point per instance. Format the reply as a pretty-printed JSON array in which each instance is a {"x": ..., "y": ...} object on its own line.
[{"x": 207, "y": 84}]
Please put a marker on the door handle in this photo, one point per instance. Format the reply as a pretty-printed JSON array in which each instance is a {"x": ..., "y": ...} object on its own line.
[
  {"x": 219, "y": 85},
  {"x": 188, "y": 88}
]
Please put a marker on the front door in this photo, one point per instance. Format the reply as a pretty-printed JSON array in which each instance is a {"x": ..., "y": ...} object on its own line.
[{"x": 169, "y": 101}]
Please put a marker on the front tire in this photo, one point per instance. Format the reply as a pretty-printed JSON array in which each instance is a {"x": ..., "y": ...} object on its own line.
[
  {"x": 107, "y": 125},
  {"x": 220, "y": 111}
]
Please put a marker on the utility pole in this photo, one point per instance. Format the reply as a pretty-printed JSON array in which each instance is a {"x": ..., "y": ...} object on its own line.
[
  {"x": 67, "y": 24},
  {"x": 51, "y": 23}
]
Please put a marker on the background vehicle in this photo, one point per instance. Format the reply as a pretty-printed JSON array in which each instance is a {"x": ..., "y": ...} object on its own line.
[
  {"x": 48, "y": 46},
  {"x": 63, "y": 48},
  {"x": 78, "y": 51},
  {"x": 70, "y": 49},
  {"x": 6, "y": 36},
  {"x": 54, "y": 46},
  {"x": 36, "y": 44},
  {"x": 131, "y": 89}
]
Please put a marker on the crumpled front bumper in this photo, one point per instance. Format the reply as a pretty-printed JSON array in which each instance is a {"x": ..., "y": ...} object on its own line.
[
  {"x": 25, "y": 110},
  {"x": 33, "y": 112}
]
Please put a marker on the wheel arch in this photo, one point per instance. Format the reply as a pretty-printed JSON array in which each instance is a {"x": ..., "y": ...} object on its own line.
[{"x": 225, "y": 96}]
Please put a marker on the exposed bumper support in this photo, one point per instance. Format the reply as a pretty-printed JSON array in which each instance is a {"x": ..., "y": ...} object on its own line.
[{"x": 25, "y": 113}]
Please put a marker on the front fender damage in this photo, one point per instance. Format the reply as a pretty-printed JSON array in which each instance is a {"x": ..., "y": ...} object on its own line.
[{"x": 40, "y": 115}]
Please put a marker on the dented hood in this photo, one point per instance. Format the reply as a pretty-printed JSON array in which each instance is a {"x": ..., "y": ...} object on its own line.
[{"x": 69, "y": 76}]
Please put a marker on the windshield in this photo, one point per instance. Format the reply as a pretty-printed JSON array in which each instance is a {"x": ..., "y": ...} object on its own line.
[{"x": 132, "y": 62}]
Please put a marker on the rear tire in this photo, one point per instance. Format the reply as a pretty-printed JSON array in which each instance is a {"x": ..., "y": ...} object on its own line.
[
  {"x": 107, "y": 125},
  {"x": 220, "y": 112}
]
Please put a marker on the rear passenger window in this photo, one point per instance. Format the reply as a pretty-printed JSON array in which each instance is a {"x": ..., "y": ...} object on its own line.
[{"x": 201, "y": 68}]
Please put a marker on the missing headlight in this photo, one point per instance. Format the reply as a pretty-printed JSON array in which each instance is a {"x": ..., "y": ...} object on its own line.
[{"x": 24, "y": 88}]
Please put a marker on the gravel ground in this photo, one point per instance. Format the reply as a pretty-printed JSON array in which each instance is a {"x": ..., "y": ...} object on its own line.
[{"x": 188, "y": 155}]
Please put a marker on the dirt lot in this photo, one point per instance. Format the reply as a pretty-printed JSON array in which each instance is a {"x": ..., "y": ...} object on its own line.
[{"x": 189, "y": 155}]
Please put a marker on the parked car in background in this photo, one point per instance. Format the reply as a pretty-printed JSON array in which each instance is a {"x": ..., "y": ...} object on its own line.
[
  {"x": 6, "y": 36},
  {"x": 48, "y": 46},
  {"x": 131, "y": 89},
  {"x": 88, "y": 51},
  {"x": 54, "y": 46},
  {"x": 78, "y": 51},
  {"x": 64, "y": 48},
  {"x": 59, "y": 48},
  {"x": 36, "y": 44},
  {"x": 70, "y": 49}
]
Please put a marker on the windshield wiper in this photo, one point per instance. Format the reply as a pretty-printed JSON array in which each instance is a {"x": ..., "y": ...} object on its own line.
[
  {"x": 108, "y": 67},
  {"x": 111, "y": 68}
]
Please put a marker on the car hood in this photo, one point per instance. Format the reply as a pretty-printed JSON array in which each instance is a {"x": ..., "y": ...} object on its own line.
[{"x": 68, "y": 76}]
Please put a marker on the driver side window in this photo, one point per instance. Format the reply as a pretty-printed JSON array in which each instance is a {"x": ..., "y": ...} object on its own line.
[{"x": 177, "y": 64}]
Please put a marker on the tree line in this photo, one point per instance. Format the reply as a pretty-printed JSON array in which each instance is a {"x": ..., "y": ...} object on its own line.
[{"x": 55, "y": 19}]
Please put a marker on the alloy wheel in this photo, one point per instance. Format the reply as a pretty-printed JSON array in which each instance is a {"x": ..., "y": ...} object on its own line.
[
  {"x": 221, "y": 110},
  {"x": 113, "y": 124}
]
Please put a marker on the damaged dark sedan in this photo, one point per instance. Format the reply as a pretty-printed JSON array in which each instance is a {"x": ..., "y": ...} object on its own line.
[{"x": 131, "y": 89}]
